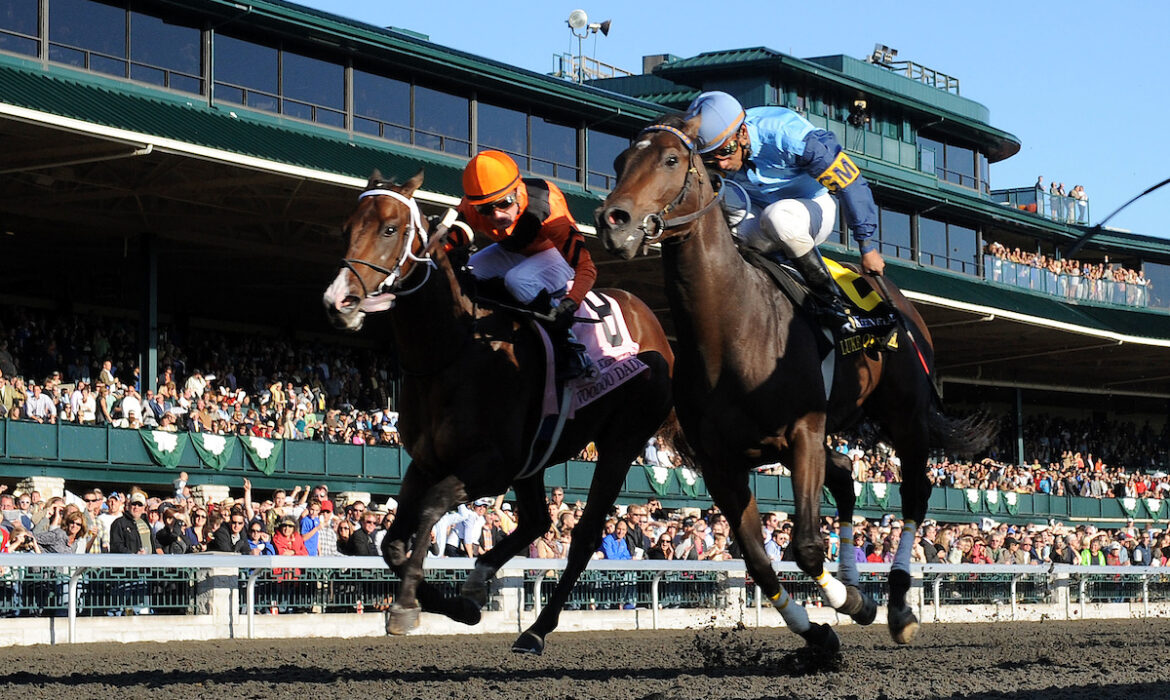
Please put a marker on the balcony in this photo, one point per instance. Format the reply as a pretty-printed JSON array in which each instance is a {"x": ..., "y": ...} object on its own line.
[{"x": 1065, "y": 210}]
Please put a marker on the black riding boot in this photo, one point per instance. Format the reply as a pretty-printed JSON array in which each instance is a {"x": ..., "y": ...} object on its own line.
[
  {"x": 832, "y": 308},
  {"x": 571, "y": 361}
]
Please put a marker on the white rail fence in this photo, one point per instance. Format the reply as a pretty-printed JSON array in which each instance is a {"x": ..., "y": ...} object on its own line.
[{"x": 56, "y": 598}]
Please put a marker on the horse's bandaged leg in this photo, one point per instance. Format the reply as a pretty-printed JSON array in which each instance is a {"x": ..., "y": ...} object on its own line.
[
  {"x": 794, "y": 615},
  {"x": 833, "y": 590},
  {"x": 905, "y": 547},
  {"x": 847, "y": 558}
]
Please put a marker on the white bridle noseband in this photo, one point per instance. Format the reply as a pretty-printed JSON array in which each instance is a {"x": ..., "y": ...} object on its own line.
[{"x": 414, "y": 230}]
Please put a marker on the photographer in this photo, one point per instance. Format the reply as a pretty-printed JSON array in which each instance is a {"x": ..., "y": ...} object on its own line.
[
  {"x": 171, "y": 535},
  {"x": 22, "y": 541}
]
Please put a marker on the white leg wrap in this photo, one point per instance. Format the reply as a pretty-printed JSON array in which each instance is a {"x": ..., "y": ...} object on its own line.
[
  {"x": 847, "y": 558},
  {"x": 905, "y": 547},
  {"x": 832, "y": 589},
  {"x": 794, "y": 615}
]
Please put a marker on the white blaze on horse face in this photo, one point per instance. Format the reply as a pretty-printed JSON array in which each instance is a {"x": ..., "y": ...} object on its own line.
[{"x": 644, "y": 143}]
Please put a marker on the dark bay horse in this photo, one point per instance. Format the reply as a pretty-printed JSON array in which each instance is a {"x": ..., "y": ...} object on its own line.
[
  {"x": 471, "y": 402},
  {"x": 748, "y": 385}
]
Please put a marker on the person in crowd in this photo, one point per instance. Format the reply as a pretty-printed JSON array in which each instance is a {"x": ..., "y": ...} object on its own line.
[
  {"x": 287, "y": 541},
  {"x": 327, "y": 535},
  {"x": 259, "y": 542},
  {"x": 310, "y": 526},
  {"x": 663, "y": 549},
  {"x": 613, "y": 545},
  {"x": 788, "y": 168},
  {"x": 170, "y": 536},
  {"x": 231, "y": 536},
  {"x": 537, "y": 248},
  {"x": 130, "y": 534}
]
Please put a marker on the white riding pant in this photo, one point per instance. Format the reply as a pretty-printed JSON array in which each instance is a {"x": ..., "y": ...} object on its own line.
[
  {"x": 524, "y": 275},
  {"x": 790, "y": 226}
]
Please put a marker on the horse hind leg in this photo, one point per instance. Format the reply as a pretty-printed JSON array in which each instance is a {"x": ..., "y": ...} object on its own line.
[
  {"x": 839, "y": 478},
  {"x": 910, "y": 439},
  {"x": 533, "y": 521}
]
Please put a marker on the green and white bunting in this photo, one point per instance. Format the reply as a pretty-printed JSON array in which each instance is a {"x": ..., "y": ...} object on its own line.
[
  {"x": 689, "y": 481},
  {"x": 1154, "y": 506},
  {"x": 1011, "y": 499},
  {"x": 881, "y": 493},
  {"x": 1129, "y": 505},
  {"x": 265, "y": 454},
  {"x": 974, "y": 498},
  {"x": 828, "y": 495},
  {"x": 991, "y": 497},
  {"x": 859, "y": 492},
  {"x": 214, "y": 450},
  {"x": 659, "y": 478},
  {"x": 165, "y": 448}
]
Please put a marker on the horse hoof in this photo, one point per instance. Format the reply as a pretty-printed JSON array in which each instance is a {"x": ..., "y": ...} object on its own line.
[
  {"x": 402, "y": 620},
  {"x": 862, "y": 609},
  {"x": 822, "y": 637},
  {"x": 903, "y": 625},
  {"x": 528, "y": 643},
  {"x": 464, "y": 610}
]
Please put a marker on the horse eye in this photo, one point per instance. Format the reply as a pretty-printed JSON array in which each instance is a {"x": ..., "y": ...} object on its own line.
[
  {"x": 672, "y": 160},
  {"x": 390, "y": 230}
]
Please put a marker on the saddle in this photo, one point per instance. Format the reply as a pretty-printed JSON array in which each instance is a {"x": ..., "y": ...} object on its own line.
[{"x": 878, "y": 325}]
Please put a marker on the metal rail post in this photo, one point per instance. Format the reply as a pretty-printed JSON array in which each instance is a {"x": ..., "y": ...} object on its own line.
[
  {"x": 759, "y": 594},
  {"x": 1015, "y": 579},
  {"x": 1145, "y": 595},
  {"x": 536, "y": 593},
  {"x": 73, "y": 579},
  {"x": 937, "y": 597},
  {"x": 654, "y": 598},
  {"x": 252, "y": 603}
]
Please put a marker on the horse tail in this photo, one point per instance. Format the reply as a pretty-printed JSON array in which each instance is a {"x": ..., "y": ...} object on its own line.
[
  {"x": 968, "y": 435},
  {"x": 672, "y": 434}
]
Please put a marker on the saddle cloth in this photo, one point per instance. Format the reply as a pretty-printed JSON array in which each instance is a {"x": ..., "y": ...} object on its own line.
[{"x": 610, "y": 348}]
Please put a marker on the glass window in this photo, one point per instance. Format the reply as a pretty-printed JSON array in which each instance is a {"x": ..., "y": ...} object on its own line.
[
  {"x": 894, "y": 234},
  {"x": 441, "y": 122},
  {"x": 245, "y": 73},
  {"x": 932, "y": 242},
  {"x": 961, "y": 247},
  {"x": 932, "y": 163},
  {"x": 603, "y": 151},
  {"x": 960, "y": 165},
  {"x": 554, "y": 149},
  {"x": 312, "y": 89},
  {"x": 88, "y": 34},
  {"x": 165, "y": 53},
  {"x": 19, "y": 17},
  {"x": 505, "y": 130},
  {"x": 381, "y": 106}
]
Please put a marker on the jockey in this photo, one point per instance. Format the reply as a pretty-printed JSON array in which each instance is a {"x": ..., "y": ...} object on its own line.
[
  {"x": 536, "y": 248},
  {"x": 788, "y": 167}
]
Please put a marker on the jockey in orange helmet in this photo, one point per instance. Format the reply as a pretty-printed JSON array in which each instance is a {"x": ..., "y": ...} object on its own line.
[{"x": 536, "y": 245}]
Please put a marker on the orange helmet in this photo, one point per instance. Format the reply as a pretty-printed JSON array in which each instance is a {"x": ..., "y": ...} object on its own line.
[{"x": 489, "y": 176}]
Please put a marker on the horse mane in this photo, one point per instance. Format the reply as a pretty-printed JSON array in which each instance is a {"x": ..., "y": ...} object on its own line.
[{"x": 672, "y": 119}]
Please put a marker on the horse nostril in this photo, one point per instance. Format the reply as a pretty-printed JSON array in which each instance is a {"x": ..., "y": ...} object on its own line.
[
  {"x": 348, "y": 303},
  {"x": 617, "y": 217}
]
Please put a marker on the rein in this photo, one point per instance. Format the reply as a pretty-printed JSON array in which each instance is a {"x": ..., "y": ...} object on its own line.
[
  {"x": 415, "y": 230},
  {"x": 653, "y": 226}
]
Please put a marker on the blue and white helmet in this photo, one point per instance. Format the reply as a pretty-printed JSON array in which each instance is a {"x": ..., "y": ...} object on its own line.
[{"x": 721, "y": 115}]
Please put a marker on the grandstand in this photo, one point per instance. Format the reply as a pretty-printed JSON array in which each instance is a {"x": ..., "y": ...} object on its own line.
[{"x": 157, "y": 189}]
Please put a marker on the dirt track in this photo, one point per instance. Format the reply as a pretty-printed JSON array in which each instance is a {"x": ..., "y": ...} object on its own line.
[{"x": 1081, "y": 660}]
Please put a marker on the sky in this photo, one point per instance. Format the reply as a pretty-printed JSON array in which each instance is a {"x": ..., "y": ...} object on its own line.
[{"x": 1082, "y": 84}]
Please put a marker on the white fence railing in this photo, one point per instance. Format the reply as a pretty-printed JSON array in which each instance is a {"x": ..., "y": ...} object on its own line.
[{"x": 207, "y": 596}]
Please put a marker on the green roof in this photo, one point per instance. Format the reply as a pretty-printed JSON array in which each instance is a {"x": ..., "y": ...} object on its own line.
[
  {"x": 962, "y": 116},
  {"x": 150, "y": 113}
]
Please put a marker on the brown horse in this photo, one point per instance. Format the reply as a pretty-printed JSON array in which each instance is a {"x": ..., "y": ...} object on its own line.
[
  {"x": 471, "y": 403},
  {"x": 749, "y": 387}
]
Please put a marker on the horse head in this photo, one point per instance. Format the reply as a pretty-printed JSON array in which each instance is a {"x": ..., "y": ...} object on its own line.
[
  {"x": 387, "y": 247},
  {"x": 659, "y": 190}
]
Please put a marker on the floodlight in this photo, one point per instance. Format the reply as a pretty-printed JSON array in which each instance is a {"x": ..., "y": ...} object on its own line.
[
  {"x": 578, "y": 19},
  {"x": 603, "y": 27}
]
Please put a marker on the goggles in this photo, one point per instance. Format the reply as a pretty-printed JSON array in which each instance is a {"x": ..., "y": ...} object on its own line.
[
  {"x": 501, "y": 203},
  {"x": 725, "y": 151}
]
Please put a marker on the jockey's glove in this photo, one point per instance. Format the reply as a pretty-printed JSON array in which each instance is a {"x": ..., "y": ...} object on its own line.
[{"x": 562, "y": 316}]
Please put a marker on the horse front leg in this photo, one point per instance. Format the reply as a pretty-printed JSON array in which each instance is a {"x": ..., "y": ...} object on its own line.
[
  {"x": 533, "y": 521},
  {"x": 915, "y": 491},
  {"x": 808, "y": 478},
  {"x": 734, "y": 498},
  {"x": 415, "y": 594},
  {"x": 839, "y": 478}
]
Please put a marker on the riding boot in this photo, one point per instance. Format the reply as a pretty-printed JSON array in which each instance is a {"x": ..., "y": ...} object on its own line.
[
  {"x": 570, "y": 355},
  {"x": 832, "y": 310}
]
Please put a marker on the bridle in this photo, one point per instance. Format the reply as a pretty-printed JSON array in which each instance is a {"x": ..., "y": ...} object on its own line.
[
  {"x": 653, "y": 226},
  {"x": 415, "y": 229}
]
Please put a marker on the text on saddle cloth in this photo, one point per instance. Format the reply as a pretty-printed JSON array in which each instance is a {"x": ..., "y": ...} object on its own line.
[
  {"x": 611, "y": 348},
  {"x": 859, "y": 292}
]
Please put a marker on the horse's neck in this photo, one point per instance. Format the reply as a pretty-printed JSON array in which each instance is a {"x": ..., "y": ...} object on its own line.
[{"x": 432, "y": 322}]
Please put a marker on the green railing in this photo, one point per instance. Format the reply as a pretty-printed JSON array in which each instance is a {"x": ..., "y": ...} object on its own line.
[
  {"x": 110, "y": 455},
  {"x": 44, "y": 592}
]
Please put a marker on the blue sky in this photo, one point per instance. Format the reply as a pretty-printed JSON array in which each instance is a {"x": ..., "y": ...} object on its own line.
[{"x": 1082, "y": 84}]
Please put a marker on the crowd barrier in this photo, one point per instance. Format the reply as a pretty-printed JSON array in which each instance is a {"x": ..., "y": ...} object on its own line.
[{"x": 55, "y": 598}]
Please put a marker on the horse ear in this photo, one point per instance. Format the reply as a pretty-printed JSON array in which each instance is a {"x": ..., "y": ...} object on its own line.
[
  {"x": 375, "y": 178},
  {"x": 413, "y": 183},
  {"x": 691, "y": 127}
]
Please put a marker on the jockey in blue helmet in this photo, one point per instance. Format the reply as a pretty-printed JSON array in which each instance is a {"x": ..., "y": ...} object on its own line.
[{"x": 788, "y": 167}]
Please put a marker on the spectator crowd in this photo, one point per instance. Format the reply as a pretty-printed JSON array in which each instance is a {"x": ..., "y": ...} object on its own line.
[{"x": 1070, "y": 273}]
